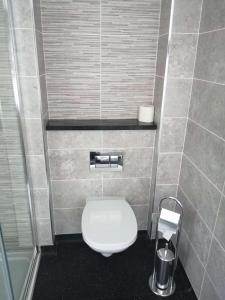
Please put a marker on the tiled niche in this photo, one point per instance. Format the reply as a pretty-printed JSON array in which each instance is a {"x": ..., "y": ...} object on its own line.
[{"x": 100, "y": 57}]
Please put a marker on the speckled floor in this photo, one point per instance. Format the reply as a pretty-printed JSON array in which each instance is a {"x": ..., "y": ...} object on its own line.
[{"x": 72, "y": 271}]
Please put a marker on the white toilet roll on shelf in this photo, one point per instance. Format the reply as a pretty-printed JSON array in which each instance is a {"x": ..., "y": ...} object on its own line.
[
  {"x": 168, "y": 223},
  {"x": 146, "y": 114}
]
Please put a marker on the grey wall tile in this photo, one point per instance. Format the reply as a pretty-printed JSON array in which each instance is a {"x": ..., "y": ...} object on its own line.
[
  {"x": 41, "y": 201},
  {"x": 74, "y": 139},
  {"x": 21, "y": 205},
  {"x": 71, "y": 164},
  {"x": 79, "y": 82},
  {"x": 177, "y": 97},
  {"x": 165, "y": 16},
  {"x": 212, "y": 15},
  {"x": 161, "y": 55},
  {"x": 211, "y": 149},
  {"x": 83, "y": 17},
  {"x": 191, "y": 263},
  {"x": 220, "y": 223},
  {"x": 22, "y": 14},
  {"x": 172, "y": 134},
  {"x": 182, "y": 55},
  {"x": 211, "y": 56},
  {"x": 216, "y": 268},
  {"x": 186, "y": 17},
  {"x": 10, "y": 136},
  {"x": 16, "y": 171},
  {"x": 169, "y": 168},
  {"x": 40, "y": 53},
  {"x": 141, "y": 213},
  {"x": 44, "y": 100},
  {"x": 68, "y": 221},
  {"x": 161, "y": 191},
  {"x": 37, "y": 14},
  {"x": 209, "y": 292},
  {"x": 203, "y": 195},
  {"x": 136, "y": 163},
  {"x": 30, "y": 96},
  {"x": 44, "y": 232},
  {"x": 128, "y": 138},
  {"x": 197, "y": 231},
  {"x": 128, "y": 58},
  {"x": 158, "y": 93},
  {"x": 34, "y": 136},
  {"x": 66, "y": 90},
  {"x": 37, "y": 170},
  {"x": 120, "y": 18},
  {"x": 71, "y": 194},
  {"x": 208, "y": 106},
  {"x": 4, "y": 16},
  {"x": 136, "y": 191},
  {"x": 8, "y": 106},
  {"x": 25, "y": 52},
  {"x": 127, "y": 72}
]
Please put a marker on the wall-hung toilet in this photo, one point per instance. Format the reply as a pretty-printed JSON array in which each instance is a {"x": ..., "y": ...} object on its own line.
[{"x": 108, "y": 226}]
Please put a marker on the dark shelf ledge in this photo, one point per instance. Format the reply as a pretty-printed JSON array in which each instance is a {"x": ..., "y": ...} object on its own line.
[{"x": 104, "y": 124}]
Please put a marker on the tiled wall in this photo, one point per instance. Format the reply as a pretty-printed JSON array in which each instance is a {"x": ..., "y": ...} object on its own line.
[
  {"x": 72, "y": 181},
  {"x": 202, "y": 178},
  {"x": 100, "y": 56},
  {"x": 174, "y": 76},
  {"x": 32, "y": 111}
]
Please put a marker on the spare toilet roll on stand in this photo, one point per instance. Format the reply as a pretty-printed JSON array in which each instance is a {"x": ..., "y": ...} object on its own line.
[{"x": 168, "y": 230}]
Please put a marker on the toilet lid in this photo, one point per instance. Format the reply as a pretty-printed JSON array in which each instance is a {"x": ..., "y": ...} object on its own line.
[{"x": 108, "y": 224}]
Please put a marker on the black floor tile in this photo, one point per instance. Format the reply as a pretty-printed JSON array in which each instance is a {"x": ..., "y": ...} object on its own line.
[{"x": 74, "y": 271}]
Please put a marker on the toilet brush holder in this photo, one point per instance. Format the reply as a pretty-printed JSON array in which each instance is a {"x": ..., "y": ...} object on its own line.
[{"x": 168, "y": 230}]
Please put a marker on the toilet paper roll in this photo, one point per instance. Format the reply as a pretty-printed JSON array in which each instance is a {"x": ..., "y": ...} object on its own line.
[
  {"x": 146, "y": 114},
  {"x": 168, "y": 223}
]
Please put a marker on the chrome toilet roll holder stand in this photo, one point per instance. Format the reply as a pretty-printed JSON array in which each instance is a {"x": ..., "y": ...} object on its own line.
[{"x": 161, "y": 282}]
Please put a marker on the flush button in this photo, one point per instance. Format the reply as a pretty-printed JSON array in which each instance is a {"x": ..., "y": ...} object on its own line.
[{"x": 106, "y": 161}]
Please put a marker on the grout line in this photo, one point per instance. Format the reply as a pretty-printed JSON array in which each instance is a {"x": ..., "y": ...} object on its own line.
[
  {"x": 99, "y": 178},
  {"x": 163, "y": 34},
  {"x": 160, "y": 76},
  {"x": 165, "y": 117},
  {"x": 209, "y": 81},
  {"x": 167, "y": 153},
  {"x": 169, "y": 184},
  {"x": 209, "y": 131},
  {"x": 195, "y": 33},
  {"x": 185, "y": 33},
  {"x": 213, "y": 30},
  {"x": 106, "y": 148}
]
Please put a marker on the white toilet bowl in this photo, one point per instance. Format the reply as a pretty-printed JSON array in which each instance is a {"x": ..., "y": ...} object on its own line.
[{"x": 108, "y": 226}]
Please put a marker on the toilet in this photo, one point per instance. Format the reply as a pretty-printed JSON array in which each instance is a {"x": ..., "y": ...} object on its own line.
[{"x": 108, "y": 225}]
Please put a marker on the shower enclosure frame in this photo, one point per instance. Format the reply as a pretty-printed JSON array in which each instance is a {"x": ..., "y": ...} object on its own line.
[{"x": 29, "y": 281}]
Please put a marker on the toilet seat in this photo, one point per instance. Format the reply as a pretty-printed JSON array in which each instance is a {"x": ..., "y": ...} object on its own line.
[{"x": 109, "y": 225}]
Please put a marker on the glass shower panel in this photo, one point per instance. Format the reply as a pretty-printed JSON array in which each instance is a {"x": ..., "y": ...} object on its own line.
[
  {"x": 15, "y": 216},
  {"x": 5, "y": 281}
]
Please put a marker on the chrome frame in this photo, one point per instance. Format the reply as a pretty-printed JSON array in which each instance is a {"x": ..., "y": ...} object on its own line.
[
  {"x": 157, "y": 146},
  {"x": 22, "y": 136}
]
